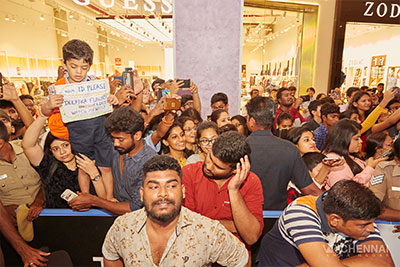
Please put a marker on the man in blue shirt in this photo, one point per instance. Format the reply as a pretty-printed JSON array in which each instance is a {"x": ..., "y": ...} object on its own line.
[
  {"x": 334, "y": 229},
  {"x": 126, "y": 127},
  {"x": 329, "y": 115}
]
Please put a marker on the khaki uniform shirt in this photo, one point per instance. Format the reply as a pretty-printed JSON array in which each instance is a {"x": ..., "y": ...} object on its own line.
[
  {"x": 385, "y": 183},
  {"x": 19, "y": 182},
  {"x": 197, "y": 241}
]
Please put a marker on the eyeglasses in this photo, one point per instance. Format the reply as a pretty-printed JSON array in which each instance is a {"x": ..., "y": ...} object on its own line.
[
  {"x": 206, "y": 142},
  {"x": 188, "y": 129}
]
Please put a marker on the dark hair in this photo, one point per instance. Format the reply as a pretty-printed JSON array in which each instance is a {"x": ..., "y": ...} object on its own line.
[
  {"x": 254, "y": 90},
  {"x": 144, "y": 111},
  {"x": 226, "y": 128},
  {"x": 393, "y": 101},
  {"x": 18, "y": 124},
  {"x": 351, "y": 201},
  {"x": 311, "y": 89},
  {"x": 292, "y": 88},
  {"x": 159, "y": 81},
  {"x": 192, "y": 113},
  {"x": 219, "y": 97},
  {"x": 327, "y": 99},
  {"x": 338, "y": 141},
  {"x": 230, "y": 147},
  {"x": 347, "y": 114},
  {"x": 77, "y": 49},
  {"x": 280, "y": 133},
  {"x": 216, "y": 114},
  {"x": 6, "y": 104},
  {"x": 320, "y": 96},
  {"x": 161, "y": 163},
  {"x": 204, "y": 126},
  {"x": 23, "y": 97},
  {"x": 283, "y": 116},
  {"x": 351, "y": 90},
  {"x": 262, "y": 109},
  {"x": 280, "y": 91},
  {"x": 185, "y": 98},
  {"x": 329, "y": 108},
  {"x": 366, "y": 88},
  {"x": 313, "y": 106},
  {"x": 312, "y": 159},
  {"x": 294, "y": 134},
  {"x": 126, "y": 120},
  {"x": 396, "y": 148},
  {"x": 3, "y": 132},
  {"x": 242, "y": 121},
  {"x": 374, "y": 141},
  {"x": 184, "y": 119},
  {"x": 381, "y": 84}
]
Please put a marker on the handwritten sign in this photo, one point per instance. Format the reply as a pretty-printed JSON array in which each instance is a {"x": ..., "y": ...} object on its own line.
[{"x": 84, "y": 100}]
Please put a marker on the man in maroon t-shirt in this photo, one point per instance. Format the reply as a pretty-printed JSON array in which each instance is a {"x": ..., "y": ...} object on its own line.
[
  {"x": 223, "y": 188},
  {"x": 286, "y": 101}
]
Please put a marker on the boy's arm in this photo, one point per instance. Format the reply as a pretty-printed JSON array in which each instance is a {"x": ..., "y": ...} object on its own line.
[{"x": 55, "y": 101}]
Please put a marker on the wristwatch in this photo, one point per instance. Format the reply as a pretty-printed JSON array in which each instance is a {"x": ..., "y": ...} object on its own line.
[{"x": 96, "y": 178}]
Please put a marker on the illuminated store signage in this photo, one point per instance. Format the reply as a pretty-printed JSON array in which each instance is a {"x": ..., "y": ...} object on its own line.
[
  {"x": 148, "y": 5},
  {"x": 381, "y": 9}
]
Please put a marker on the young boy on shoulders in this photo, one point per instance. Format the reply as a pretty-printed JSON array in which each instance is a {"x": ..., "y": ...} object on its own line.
[{"x": 87, "y": 137}]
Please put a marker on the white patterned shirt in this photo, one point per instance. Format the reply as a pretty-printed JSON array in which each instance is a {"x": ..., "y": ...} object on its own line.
[{"x": 197, "y": 241}]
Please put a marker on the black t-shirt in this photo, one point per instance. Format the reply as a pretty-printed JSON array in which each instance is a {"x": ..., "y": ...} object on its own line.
[
  {"x": 62, "y": 179},
  {"x": 276, "y": 162}
]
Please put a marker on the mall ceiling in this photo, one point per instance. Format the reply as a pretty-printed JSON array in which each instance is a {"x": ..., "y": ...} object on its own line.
[{"x": 260, "y": 18}]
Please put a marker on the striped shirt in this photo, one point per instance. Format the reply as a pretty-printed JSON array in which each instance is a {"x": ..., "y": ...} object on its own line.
[{"x": 301, "y": 223}]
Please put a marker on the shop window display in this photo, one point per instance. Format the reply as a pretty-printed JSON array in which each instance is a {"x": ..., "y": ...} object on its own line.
[
  {"x": 370, "y": 55},
  {"x": 273, "y": 48}
]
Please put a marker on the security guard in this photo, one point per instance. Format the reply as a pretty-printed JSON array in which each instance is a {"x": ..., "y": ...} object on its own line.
[{"x": 385, "y": 183}]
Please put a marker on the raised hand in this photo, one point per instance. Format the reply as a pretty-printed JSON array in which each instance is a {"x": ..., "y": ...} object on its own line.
[
  {"x": 125, "y": 94},
  {"x": 87, "y": 165},
  {"x": 242, "y": 170},
  {"x": 114, "y": 83},
  {"x": 193, "y": 88},
  {"x": 9, "y": 91},
  {"x": 112, "y": 100}
]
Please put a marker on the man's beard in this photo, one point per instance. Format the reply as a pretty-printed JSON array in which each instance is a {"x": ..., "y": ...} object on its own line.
[
  {"x": 164, "y": 217},
  {"x": 217, "y": 177},
  {"x": 125, "y": 151},
  {"x": 288, "y": 105}
]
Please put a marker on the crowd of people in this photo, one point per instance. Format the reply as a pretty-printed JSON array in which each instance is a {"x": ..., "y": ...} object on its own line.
[{"x": 191, "y": 191}]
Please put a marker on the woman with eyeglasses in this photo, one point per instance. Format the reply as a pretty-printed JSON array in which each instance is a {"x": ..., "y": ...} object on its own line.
[
  {"x": 57, "y": 165},
  {"x": 207, "y": 133}
]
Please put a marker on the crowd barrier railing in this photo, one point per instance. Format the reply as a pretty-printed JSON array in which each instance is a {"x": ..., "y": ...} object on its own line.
[{"x": 82, "y": 233}]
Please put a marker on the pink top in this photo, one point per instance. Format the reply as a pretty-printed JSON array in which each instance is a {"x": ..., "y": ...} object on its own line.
[{"x": 344, "y": 172}]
